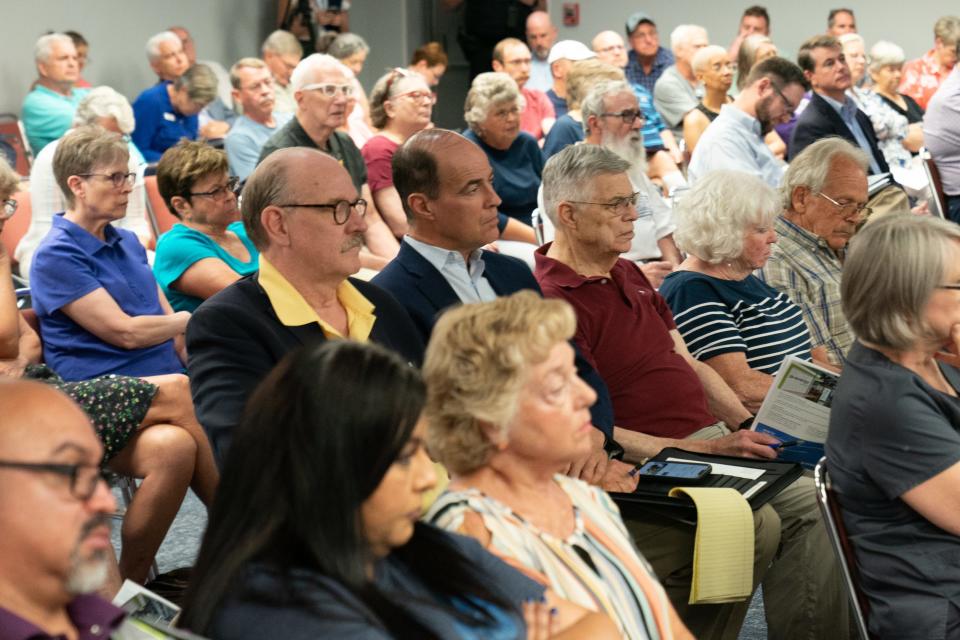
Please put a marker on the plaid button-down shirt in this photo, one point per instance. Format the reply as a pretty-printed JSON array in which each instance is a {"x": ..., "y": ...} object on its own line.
[
  {"x": 805, "y": 268},
  {"x": 636, "y": 74}
]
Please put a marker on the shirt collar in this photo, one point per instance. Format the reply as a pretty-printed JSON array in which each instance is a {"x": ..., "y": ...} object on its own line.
[
  {"x": 84, "y": 611},
  {"x": 89, "y": 243},
  {"x": 846, "y": 109},
  {"x": 801, "y": 236},
  {"x": 439, "y": 257},
  {"x": 558, "y": 273}
]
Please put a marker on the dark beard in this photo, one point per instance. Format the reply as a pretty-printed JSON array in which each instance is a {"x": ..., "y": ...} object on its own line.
[{"x": 763, "y": 116}]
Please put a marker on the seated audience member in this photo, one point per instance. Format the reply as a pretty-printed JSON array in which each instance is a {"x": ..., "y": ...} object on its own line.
[
  {"x": 581, "y": 77},
  {"x": 675, "y": 93},
  {"x": 209, "y": 248},
  {"x": 711, "y": 65},
  {"x": 562, "y": 55},
  {"x": 105, "y": 107},
  {"x": 512, "y": 57},
  {"x": 886, "y": 71},
  {"x": 541, "y": 35},
  {"x": 942, "y": 137},
  {"x": 736, "y": 139},
  {"x": 646, "y": 60},
  {"x": 755, "y": 21},
  {"x": 343, "y": 552},
  {"x": 841, "y": 21},
  {"x": 218, "y": 116},
  {"x": 401, "y": 104},
  {"x": 728, "y": 317},
  {"x": 322, "y": 88},
  {"x": 923, "y": 76},
  {"x": 352, "y": 50},
  {"x": 893, "y": 446},
  {"x": 855, "y": 54},
  {"x": 662, "y": 396},
  {"x": 166, "y": 56},
  {"x": 48, "y": 109},
  {"x": 167, "y": 111},
  {"x": 430, "y": 61},
  {"x": 83, "y": 48},
  {"x": 506, "y": 428},
  {"x": 753, "y": 50},
  {"x": 303, "y": 212},
  {"x": 824, "y": 197},
  {"x": 255, "y": 92},
  {"x": 492, "y": 112},
  {"x": 100, "y": 308},
  {"x": 282, "y": 53},
  {"x": 146, "y": 425}
]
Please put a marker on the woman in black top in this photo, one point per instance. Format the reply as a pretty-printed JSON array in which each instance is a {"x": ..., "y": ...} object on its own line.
[{"x": 886, "y": 71}]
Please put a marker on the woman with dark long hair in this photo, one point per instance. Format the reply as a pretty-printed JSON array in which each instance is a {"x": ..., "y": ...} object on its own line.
[{"x": 315, "y": 533}]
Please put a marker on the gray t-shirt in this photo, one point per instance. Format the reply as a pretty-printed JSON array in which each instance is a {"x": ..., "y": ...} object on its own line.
[
  {"x": 889, "y": 432},
  {"x": 674, "y": 98}
]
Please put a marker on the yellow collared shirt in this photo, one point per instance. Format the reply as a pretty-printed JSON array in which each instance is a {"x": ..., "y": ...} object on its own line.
[{"x": 294, "y": 311}]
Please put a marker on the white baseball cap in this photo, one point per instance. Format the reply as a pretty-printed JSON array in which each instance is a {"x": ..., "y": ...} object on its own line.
[{"x": 569, "y": 50}]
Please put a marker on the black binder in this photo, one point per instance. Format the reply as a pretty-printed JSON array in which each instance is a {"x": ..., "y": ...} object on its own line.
[{"x": 652, "y": 494}]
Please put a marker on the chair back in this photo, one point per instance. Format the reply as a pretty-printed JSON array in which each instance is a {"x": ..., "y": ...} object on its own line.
[
  {"x": 161, "y": 220},
  {"x": 833, "y": 521},
  {"x": 939, "y": 199},
  {"x": 13, "y": 144},
  {"x": 16, "y": 227}
]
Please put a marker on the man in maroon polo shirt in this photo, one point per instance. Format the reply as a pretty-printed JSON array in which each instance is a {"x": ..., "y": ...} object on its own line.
[{"x": 663, "y": 397}]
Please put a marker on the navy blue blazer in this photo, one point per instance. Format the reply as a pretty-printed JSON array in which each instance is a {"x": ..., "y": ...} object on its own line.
[
  {"x": 234, "y": 339},
  {"x": 425, "y": 294},
  {"x": 820, "y": 120}
]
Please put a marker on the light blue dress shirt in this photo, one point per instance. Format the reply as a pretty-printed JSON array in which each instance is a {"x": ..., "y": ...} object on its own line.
[
  {"x": 467, "y": 281},
  {"x": 733, "y": 141},
  {"x": 847, "y": 110}
]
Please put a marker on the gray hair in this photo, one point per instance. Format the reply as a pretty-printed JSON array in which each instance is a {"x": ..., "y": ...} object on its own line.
[
  {"x": 267, "y": 185},
  {"x": 947, "y": 29},
  {"x": 105, "y": 102},
  {"x": 153, "y": 44},
  {"x": 714, "y": 215},
  {"x": 347, "y": 44},
  {"x": 282, "y": 43},
  {"x": 43, "y": 48},
  {"x": 885, "y": 54},
  {"x": 811, "y": 168},
  {"x": 200, "y": 82},
  {"x": 702, "y": 57},
  {"x": 568, "y": 175},
  {"x": 244, "y": 63},
  {"x": 892, "y": 267},
  {"x": 851, "y": 37},
  {"x": 683, "y": 33},
  {"x": 594, "y": 102},
  {"x": 315, "y": 63},
  {"x": 489, "y": 89}
]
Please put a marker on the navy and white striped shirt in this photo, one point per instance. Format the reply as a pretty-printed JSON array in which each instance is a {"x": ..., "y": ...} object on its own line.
[{"x": 717, "y": 316}]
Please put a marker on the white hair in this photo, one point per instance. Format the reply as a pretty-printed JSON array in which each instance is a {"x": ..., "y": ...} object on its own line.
[
  {"x": 702, "y": 57},
  {"x": 282, "y": 43},
  {"x": 811, "y": 167},
  {"x": 851, "y": 37},
  {"x": 308, "y": 68},
  {"x": 885, "y": 54},
  {"x": 593, "y": 104},
  {"x": 569, "y": 175},
  {"x": 104, "y": 102},
  {"x": 346, "y": 45},
  {"x": 714, "y": 215},
  {"x": 43, "y": 48},
  {"x": 682, "y": 34},
  {"x": 153, "y": 44},
  {"x": 489, "y": 89}
]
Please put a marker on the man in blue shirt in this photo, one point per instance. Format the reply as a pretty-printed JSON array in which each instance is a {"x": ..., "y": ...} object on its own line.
[
  {"x": 48, "y": 109},
  {"x": 541, "y": 36},
  {"x": 253, "y": 90},
  {"x": 167, "y": 112},
  {"x": 646, "y": 60}
]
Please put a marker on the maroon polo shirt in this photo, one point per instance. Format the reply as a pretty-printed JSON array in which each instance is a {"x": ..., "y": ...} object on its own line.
[
  {"x": 623, "y": 330},
  {"x": 94, "y": 618}
]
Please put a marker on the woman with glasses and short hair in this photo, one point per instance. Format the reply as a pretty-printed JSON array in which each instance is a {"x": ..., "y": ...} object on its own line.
[{"x": 209, "y": 248}]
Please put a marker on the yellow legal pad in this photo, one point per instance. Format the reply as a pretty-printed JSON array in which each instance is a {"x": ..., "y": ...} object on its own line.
[{"x": 723, "y": 547}]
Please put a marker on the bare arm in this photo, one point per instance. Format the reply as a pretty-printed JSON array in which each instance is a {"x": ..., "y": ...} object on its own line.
[
  {"x": 938, "y": 499},
  {"x": 29, "y": 352},
  {"x": 670, "y": 143},
  {"x": 722, "y": 400},
  {"x": 546, "y": 124},
  {"x": 914, "y": 139},
  {"x": 750, "y": 385},
  {"x": 694, "y": 124},
  {"x": 746, "y": 443},
  {"x": 669, "y": 250},
  {"x": 391, "y": 209},
  {"x": 378, "y": 237},
  {"x": 776, "y": 145},
  {"x": 516, "y": 230},
  {"x": 99, "y": 313},
  {"x": 820, "y": 357},
  {"x": 204, "y": 278}
]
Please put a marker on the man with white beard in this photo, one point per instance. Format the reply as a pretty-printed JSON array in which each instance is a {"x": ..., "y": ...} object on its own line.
[{"x": 613, "y": 120}]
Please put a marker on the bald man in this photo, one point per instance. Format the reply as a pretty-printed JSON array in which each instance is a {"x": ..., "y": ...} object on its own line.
[{"x": 541, "y": 36}]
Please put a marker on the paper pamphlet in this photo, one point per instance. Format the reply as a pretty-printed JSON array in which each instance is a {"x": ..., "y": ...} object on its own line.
[
  {"x": 149, "y": 616},
  {"x": 723, "y": 546},
  {"x": 797, "y": 407}
]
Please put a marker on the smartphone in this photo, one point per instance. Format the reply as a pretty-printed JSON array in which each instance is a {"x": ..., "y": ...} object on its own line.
[{"x": 675, "y": 472}]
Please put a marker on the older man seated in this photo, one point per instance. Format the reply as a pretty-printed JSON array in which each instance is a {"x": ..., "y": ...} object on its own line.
[
  {"x": 255, "y": 91},
  {"x": 675, "y": 93},
  {"x": 303, "y": 213},
  {"x": 282, "y": 53},
  {"x": 48, "y": 109},
  {"x": 663, "y": 397},
  {"x": 824, "y": 197}
]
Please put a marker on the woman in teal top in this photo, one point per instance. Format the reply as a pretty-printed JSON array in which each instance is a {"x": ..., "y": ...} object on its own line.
[{"x": 209, "y": 248}]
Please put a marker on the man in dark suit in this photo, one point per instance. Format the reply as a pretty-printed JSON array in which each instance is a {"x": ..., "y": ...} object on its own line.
[
  {"x": 302, "y": 211},
  {"x": 445, "y": 184}
]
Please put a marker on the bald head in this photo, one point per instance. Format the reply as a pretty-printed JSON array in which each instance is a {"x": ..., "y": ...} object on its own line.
[
  {"x": 37, "y": 419},
  {"x": 609, "y": 47},
  {"x": 415, "y": 166},
  {"x": 541, "y": 34}
]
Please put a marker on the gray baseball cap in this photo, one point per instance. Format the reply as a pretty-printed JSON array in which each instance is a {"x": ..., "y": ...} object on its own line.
[{"x": 636, "y": 18}]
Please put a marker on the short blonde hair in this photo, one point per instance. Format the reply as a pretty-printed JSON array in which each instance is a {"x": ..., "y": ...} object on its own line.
[
  {"x": 488, "y": 90},
  {"x": 84, "y": 150},
  {"x": 475, "y": 368},
  {"x": 244, "y": 63},
  {"x": 584, "y": 75},
  {"x": 892, "y": 267}
]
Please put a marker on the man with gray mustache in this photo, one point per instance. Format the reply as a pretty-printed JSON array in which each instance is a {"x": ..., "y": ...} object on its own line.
[{"x": 306, "y": 217}]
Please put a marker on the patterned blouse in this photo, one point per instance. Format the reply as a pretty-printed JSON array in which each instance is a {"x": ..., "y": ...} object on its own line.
[
  {"x": 891, "y": 127},
  {"x": 596, "y": 567}
]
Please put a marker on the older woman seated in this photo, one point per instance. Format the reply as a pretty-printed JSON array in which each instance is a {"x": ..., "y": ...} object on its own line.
[
  {"x": 507, "y": 413},
  {"x": 335, "y": 432},
  {"x": 728, "y": 317},
  {"x": 712, "y": 67},
  {"x": 209, "y": 248},
  {"x": 902, "y": 112},
  {"x": 894, "y": 441}
]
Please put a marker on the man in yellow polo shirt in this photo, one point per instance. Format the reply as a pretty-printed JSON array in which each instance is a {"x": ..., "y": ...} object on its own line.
[{"x": 302, "y": 211}]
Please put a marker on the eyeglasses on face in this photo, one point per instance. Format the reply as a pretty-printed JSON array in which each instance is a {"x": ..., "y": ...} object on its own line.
[
  {"x": 221, "y": 192},
  {"x": 341, "y": 208},
  {"x": 10, "y": 207},
  {"x": 83, "y": 477},
  {"x": 330, "y": 89},
  {"x": 791, "y": 109},
  {"x": 617, "y": 206},
  {"x": 119, "y": 179},
  {"x": 848, "y": 209},
  {"x": 418, "y": 96},
  {"x": 612, "y": 48},
  {"x": 627, "y": 115}
]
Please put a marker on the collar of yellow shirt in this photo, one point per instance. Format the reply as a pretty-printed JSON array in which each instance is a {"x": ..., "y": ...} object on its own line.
[{"x": 294, "y": 311}]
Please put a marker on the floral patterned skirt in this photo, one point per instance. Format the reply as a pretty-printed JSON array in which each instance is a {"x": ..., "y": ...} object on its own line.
[{"x": 115, "y": 404}]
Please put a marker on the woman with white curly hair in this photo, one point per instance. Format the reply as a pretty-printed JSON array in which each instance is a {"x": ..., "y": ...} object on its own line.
[{"x": 729, "y": 318}]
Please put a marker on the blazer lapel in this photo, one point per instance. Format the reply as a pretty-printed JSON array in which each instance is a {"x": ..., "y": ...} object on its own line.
[{"x": 430, "y": 282}]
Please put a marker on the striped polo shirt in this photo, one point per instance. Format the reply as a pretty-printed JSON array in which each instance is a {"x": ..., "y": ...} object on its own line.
[{"x": 717, "y": 316}]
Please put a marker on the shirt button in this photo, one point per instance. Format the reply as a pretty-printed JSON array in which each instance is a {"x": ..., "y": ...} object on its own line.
[
  {"x": 603, "y": 281},
  {"x": 95, "y": 629}
]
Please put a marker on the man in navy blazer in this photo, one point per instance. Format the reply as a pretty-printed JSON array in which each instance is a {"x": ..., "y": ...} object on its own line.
[
  {"x": 302, "y": 211},
  {"x": 452, "y": 210}
]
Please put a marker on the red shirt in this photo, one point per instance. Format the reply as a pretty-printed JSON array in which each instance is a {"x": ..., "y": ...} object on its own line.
[
  {"x": 538, "y": 107},
  {"x": 623, "y": 330},
  {"x": 922, "y": 77},
  {"x": 378, "y": 154}
]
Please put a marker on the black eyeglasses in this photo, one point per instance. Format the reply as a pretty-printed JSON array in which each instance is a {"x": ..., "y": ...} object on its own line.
[
  {"x": 83, "y": 477},
  {"x": 786, "y": 103},
  {"x": 118, "y": 179},
  {"x": 341, "y": 208},
  {"x": 618, "y": 206},
  {"x": 848, "y": 209},
  {"x": 220, "y": 192},
  {"x": 956, "y": 287},
  {"x": 10, "y": 207},
  {"x": 627, "y": 115}
]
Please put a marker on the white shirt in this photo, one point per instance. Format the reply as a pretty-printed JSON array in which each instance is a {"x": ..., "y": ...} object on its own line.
[
  {"x": 540, "y": 77},
  {"x": 467, "y": 281},
  {"x": 733, "y": 141}
]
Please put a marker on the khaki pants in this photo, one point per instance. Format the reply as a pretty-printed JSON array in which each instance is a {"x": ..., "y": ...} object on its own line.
[{"x": 803, "y": 591}]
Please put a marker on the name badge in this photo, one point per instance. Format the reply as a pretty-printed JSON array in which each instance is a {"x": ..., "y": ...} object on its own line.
[{"x": 169, "y": 117}]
